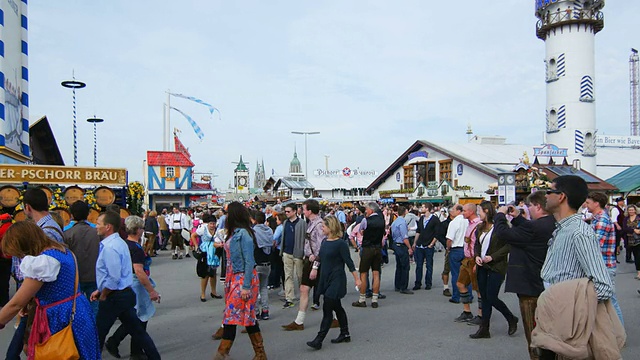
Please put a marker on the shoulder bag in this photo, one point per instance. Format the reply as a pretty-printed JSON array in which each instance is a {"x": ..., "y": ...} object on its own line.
[{"x": 61, "y": 345}]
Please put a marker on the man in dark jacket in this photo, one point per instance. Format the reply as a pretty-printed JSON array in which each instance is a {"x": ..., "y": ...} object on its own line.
[
  {"x": 83, "y": 240},
  {"x": 424, "y": 245},
  {"x": 528, "y": 240}
]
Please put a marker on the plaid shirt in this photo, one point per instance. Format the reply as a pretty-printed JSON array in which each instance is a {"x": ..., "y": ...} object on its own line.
[{"x": 606, "y": 234}]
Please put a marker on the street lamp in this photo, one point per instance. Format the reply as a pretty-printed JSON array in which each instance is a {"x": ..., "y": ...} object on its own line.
[
  {"x": 94, "y": 120},
  {"x": 73, "y": 85},
  {"x": 305, "y": 133}
]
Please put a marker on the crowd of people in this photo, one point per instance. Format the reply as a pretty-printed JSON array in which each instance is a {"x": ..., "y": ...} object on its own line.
[{"x": 557, "y": 243}]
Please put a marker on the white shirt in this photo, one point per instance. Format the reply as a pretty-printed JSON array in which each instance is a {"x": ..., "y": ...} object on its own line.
[
  {"x": 485, "y": 240},
  {"x": 455, "y": 232},
  {"x": 614, "y": 214},
  {"x": 202, "y": 228},
  {"x": 177, "y": 221}
]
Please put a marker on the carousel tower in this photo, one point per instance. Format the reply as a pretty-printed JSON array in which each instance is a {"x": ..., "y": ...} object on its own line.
[{"x": 568, "y": 28}]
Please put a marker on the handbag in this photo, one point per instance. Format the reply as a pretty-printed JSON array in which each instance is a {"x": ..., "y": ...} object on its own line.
[
  {"x": 60, "y": 345},
  {"x": 198, "y": 254}
]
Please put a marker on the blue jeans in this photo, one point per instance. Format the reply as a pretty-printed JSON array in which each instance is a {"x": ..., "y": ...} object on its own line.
[
  {"x": 421, "y": 256},
  {"x": 614, "y": 298},
  {"x": 17, "y": 342},
  {"x": 402, "y": 267},
  {"x": 120, "y": 305},
  {"x": 456, "y": 255},
  {"x": 87, "y": 289}
]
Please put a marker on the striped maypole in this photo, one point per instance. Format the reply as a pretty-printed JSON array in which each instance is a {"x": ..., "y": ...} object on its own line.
[{"x": 73, "y": 85}]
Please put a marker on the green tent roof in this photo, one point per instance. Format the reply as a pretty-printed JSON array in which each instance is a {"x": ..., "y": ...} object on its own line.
[{"x": 628, "y": 180}]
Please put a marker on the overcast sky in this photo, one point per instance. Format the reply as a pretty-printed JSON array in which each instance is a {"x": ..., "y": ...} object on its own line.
[{"x": 371, "y": 76}]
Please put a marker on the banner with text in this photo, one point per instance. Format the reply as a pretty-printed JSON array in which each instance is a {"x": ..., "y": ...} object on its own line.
[{"x": 40, "y": 174}]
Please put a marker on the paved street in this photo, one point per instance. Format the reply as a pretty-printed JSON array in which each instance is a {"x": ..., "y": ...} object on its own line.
[{"x": 418, "y": 326}]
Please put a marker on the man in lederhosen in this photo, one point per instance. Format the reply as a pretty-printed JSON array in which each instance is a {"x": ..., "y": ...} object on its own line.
[{"x": 176, "y": 223}]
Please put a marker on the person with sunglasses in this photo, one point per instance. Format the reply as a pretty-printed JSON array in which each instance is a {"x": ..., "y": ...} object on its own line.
[{"x": 574, "y": 251}]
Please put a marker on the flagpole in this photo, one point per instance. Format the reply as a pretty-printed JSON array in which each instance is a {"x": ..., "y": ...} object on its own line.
[
  {"x": 164, "y": 126},
  {"x": 167, "y": 133}
]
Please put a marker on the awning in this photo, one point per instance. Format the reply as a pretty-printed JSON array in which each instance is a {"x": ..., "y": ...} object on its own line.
[
  {"x": 433, "y": 200},
  {"x": 187, "y": 192}
]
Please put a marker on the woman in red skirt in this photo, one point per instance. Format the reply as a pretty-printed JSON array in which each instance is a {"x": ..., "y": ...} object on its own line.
[{"x": 241, "y": 283}]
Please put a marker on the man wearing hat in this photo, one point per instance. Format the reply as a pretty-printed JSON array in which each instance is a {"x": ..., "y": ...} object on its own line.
[{"x": 617, "y": 215}]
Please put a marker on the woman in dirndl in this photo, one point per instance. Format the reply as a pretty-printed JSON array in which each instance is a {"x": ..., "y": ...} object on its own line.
[
  {"x": 241, "y": 283},
  {"x": 49, "y": 270},
  {"x": 208, "y": 263}
]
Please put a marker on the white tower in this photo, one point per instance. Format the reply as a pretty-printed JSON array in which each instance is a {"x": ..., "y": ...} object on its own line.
[{"x": 568, "y": 28}]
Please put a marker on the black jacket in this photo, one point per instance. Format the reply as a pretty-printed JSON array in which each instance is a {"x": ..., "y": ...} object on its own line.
[
  {"x": 442, "y": 231},
  {"x": 151, "y": 225},
  {"x": 426, "y": 234},
  {"x": 529, "y": 243}
]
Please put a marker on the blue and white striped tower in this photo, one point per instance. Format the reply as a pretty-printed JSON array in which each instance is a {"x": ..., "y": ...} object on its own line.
[
  {"x": 14, "y": 83},
  {"x": 568, "y": 28}
]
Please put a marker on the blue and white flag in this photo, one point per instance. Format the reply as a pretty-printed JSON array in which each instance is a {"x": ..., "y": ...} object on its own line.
[
  {"x": 211, "y": 107},
  {"x": 195, "y": 126}
]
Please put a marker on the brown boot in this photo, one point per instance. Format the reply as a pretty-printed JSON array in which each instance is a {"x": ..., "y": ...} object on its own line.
[
  {"x": 258, "y": 346},
  {"x": 218, "y": 334},
  {"x": 223, "y": 350}
]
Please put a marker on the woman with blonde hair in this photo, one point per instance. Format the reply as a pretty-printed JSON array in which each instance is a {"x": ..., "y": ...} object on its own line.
[
  {"x": 632, "y": 235},
  {"x": 332, "y": 283},
  {"x": 51, "y": 277}
]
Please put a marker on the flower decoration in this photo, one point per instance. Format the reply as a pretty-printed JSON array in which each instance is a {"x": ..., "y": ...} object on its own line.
[
  {"x": 538, "y": 179},
  {"x": 58, "y": 200},
  {"x": 90, "y": 199},
  {"x": 135, "y": 197},
  {"x": 20, "y": 205}
]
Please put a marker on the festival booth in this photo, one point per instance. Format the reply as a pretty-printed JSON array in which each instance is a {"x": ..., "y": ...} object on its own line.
[{"x": 99, "y": 187}]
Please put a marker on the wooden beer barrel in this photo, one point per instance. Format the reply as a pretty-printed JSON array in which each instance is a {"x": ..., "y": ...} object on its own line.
[
  {"x": 93, "y": 216},
  {"x": 19, "y": 216},
  {"x": 9, "y": 196},
  {"x": 124, "y": 212},
  {"x": 49, "y": 193},
  {"x": 104, "y": 196},
  {"x": 64, "y": 213},
  {"x": 73, "y": 194}
]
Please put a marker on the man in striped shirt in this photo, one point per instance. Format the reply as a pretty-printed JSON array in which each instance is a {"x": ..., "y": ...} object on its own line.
[
  {"x": 574, "y": 251},
  {"x": 606, "y": 234}
]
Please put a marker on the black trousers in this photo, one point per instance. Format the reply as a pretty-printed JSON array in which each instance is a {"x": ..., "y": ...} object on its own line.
[
  {"x": 489, "y": 283},
  {"x": 5, "y": 278},
  {"x": 276, "y": 276},
  {"x": 120, "y": 305},
  {"x": 328, "y": 308},
  {"x": 121, "y": 333},
  {"x": 635, "y": 250}
]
